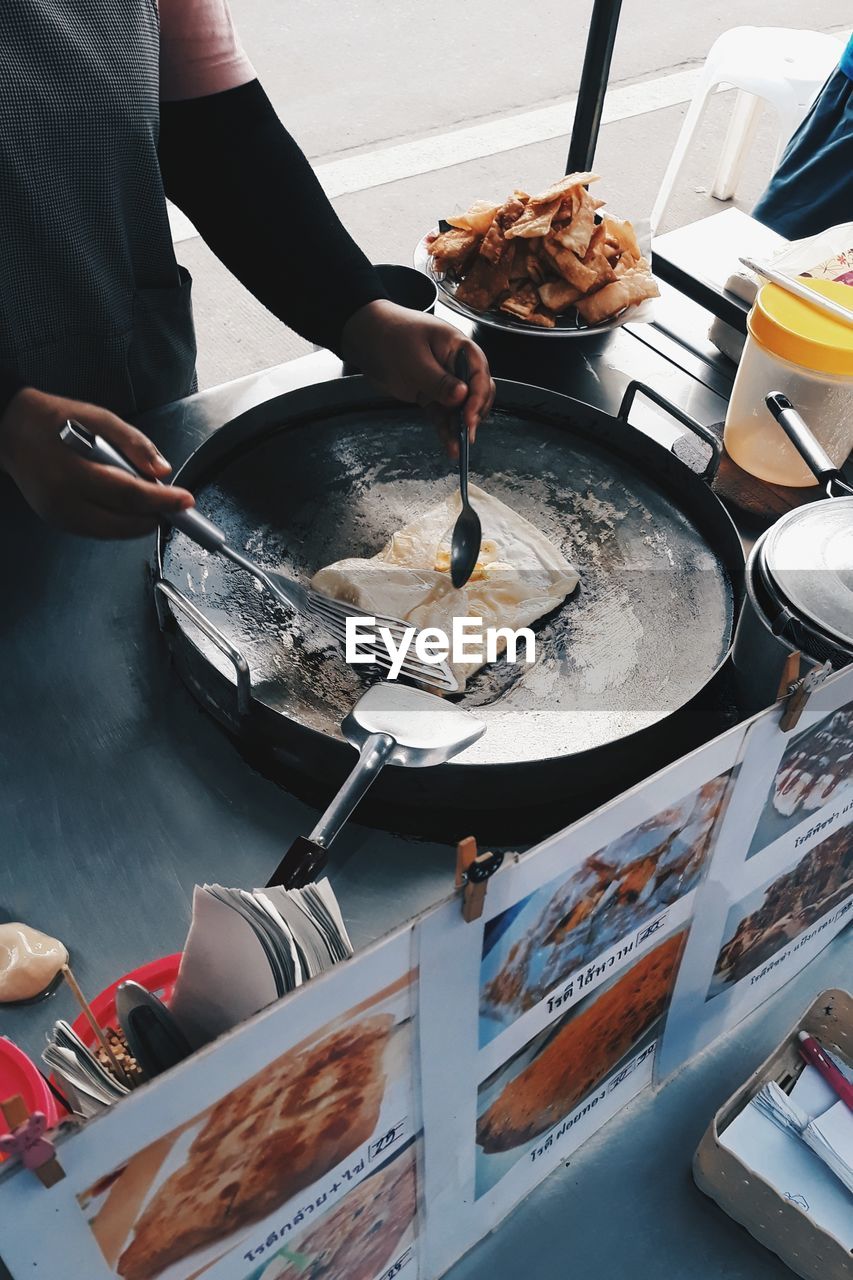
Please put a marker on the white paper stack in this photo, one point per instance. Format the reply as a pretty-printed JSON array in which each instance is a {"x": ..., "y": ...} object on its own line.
[
  {"x": 88, "y": 1087},
  {"x": 769, "y": 1137},
  {"x": 830, "y": 1135},
  {"x": 246, "y": 949}
]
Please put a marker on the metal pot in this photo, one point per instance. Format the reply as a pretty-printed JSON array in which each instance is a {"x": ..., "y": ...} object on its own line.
[{"x": 799, "y": 580}]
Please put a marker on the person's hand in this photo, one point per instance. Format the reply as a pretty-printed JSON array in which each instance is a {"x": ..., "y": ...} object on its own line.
[
  {"x": 412, "y": 357},
  {"x": 80, "y": 496}
]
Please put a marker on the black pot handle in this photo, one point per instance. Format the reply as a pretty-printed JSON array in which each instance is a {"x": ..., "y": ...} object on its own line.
[
  {"x": 696, "y": 428},
  {"x": 810, "y": 450}
]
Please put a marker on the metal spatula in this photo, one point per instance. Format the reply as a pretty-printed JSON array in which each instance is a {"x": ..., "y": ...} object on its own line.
[
  {"x": 390, "y": 724},
  {"x": 329, "y": 614}
]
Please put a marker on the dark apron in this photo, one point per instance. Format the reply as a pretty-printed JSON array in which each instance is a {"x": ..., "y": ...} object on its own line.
[{"x": 93, "y": 304}]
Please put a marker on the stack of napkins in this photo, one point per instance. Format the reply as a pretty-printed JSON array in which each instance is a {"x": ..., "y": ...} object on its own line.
[
  {"x": 88, "y": 1087},
  {"x": 246, "y": 949},
  {"x": 768, "y": 1137},
  {"x": 830, "y": 1135}
]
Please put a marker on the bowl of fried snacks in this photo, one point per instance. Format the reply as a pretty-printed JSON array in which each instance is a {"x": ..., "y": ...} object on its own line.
[{"x": 551, "y": 264}]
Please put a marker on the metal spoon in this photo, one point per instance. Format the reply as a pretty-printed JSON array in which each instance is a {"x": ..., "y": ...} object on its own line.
[{"x": 467, "y": 532}]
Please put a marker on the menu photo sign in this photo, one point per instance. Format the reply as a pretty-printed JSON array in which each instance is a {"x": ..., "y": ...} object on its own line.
[
  {"x": 287, "y": 1146},
  {"x": 781, "y": 883},
  {"x": 540, "y": 1021},
  {"x": 385, "y": 1116}
]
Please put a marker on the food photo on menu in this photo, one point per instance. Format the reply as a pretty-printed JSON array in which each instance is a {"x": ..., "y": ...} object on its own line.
[
  {"x": 816, "y": 770},
  {"x": 285, "y": 1147},
  {"x": 564, "y": 1073},
  {"x": 532, "y": 947},
  {"x": 371, "y": 1233},
  {"x": 767, "y": 921}
]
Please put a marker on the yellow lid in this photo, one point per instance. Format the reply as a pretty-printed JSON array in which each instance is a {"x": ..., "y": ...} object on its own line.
[{"x": 792, "y": 329}]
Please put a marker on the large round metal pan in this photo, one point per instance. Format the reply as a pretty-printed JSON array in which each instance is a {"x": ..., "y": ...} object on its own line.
[{"x": 331, "y": 471}]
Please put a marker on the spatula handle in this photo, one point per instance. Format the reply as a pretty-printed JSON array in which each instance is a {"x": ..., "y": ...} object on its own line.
[
  {"x": 86, "y": 444},
  {"x": 374, "y": 753},
  {"x": 307, "y": 855},
  {"x": 300, "y": 865}
]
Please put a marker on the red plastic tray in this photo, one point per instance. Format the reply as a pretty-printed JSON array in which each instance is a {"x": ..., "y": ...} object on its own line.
[{"x": 19, "y": 1075}]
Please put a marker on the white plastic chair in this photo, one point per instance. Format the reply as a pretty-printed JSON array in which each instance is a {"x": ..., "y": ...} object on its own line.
[{"x": 767, "y": 65}]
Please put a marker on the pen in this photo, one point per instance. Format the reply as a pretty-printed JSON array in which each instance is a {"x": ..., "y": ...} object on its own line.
[{"x": 837, "y": 1081}]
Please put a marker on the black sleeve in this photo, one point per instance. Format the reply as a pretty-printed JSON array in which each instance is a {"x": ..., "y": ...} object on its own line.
[
  {"x": 9, "y": 387},
  {"x": 232, "y": 167}
]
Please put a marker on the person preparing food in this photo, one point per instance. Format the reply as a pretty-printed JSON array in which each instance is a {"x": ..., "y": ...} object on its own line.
[{"x": 105, "y": 110}]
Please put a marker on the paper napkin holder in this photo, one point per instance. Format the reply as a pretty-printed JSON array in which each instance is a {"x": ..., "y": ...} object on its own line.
[{"x": 775, "y": 1222}]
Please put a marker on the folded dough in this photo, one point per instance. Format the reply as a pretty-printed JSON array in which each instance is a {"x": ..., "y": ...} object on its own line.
[{"x": 520, "y": 575}]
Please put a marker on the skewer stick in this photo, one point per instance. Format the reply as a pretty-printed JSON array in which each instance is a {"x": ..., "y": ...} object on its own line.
[
  {"x": 800, "y": 290},
  {"x": 93, "y": 1023}
]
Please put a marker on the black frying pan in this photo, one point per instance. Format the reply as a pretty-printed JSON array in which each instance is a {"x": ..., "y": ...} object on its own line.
[{"x": 331, "y": 471}]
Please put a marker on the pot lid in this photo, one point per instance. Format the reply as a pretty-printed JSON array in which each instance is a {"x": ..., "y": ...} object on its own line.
[{"x": 808, "y": 558}]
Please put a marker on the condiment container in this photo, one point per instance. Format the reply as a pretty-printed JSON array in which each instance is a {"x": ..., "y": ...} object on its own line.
[
  {"x": 158, "y": 977},
  {"x": 794, "y": 348},
  {"x": 799, "y": 598}
]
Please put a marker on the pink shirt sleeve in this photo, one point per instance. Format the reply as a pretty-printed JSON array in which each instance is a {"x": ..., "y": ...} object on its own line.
[{"x": 200, "y": 52}]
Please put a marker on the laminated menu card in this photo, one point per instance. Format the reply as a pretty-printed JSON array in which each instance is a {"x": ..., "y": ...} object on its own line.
[
  {"x": 287, "y": 1145},
  {"x": 387, "y": 1113},
  {"x": 555, "y": 1009},
  {"x": 781, "y": 884}
]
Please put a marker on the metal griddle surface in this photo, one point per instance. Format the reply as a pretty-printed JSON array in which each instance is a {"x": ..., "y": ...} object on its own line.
[{"x": 646, "y": 629}]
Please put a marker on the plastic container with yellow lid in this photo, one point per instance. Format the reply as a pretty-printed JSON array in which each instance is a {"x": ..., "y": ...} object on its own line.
[{"x": 805, "y": 353}]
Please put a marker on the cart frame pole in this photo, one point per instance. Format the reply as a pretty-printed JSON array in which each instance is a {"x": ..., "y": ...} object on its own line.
[{"x": 593, "y": 86}]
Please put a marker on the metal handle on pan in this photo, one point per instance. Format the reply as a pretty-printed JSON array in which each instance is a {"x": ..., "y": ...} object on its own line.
[
  {"x": 241, "y": 666},
  {"x": 704, "y": 433},
  {"x": 807, "y": 445}
]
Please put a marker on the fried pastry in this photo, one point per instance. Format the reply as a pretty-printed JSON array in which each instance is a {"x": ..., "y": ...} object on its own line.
[
  {"x": 635, "y": 286},
  {"x": 520, "y": 575},
  {"x": 536, "y": 257},
  {"x": 454, "y": 249}
]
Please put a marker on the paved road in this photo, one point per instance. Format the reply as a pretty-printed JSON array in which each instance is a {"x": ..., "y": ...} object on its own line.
[{"x": 352, "y": 78}]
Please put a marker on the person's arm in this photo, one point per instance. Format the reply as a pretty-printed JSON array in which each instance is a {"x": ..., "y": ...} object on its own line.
[
  {"x": 232, "y": 167},
  {"x": 71, "y": 492},
  {"x": 230, "y": 164}
]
